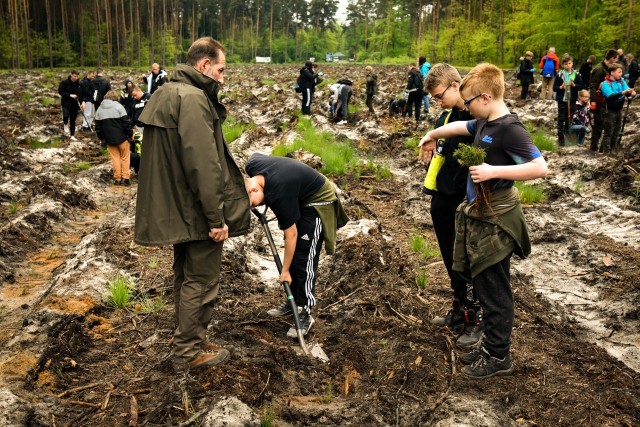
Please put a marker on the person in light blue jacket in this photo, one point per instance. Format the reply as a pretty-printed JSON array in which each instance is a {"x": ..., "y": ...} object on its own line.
[
  {"x": 424, "y": 70},
  {"x": 614, "y": 89}
]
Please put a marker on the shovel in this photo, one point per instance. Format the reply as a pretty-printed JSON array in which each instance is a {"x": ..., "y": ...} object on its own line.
[
  {"x": 624, "y": 120},
  {"x": 315, "y": 350}
]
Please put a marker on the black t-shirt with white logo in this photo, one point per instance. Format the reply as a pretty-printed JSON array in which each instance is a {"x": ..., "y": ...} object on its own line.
[{"x": 288, "y": 183}]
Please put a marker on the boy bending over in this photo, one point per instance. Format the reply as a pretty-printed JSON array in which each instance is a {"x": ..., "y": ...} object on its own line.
[
  {"x": 486, "y": 237},
  {"x": 309, "y": 212}
]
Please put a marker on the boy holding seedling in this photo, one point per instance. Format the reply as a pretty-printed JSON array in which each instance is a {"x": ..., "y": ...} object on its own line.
[
  {"x": 309, "y": 213},
  {"x": 488, "y": 233},
  {"x": 443, "y": 84}
]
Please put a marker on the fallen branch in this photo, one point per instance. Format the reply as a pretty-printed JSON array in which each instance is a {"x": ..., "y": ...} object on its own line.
[
  {"x": 265, "y": 386},
  {"x": 80, "y": 403},
  {"x": 406, "y": 317},
  {"x": 133, "y": 421},
  {"x": 193, "y": 418},
  {"x": 343, "y": 298},
  {"x": 75, "y": 389}
]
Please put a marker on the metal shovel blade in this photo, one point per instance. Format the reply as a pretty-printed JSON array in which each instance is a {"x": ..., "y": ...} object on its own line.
[{"x": 314, "y": 350}]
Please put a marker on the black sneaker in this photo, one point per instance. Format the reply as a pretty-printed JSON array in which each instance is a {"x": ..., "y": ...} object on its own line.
[
  {"x": 487, "y": 366},
  {"x": 125, "y": 182},
  {"x": 306, "y": 322},
  {"x": 471, "y": 336},
  {"x": 283, "y": 309},
  {"x": 117, "y": 182},
  {"x": 470, "y": 357},
  {"x": 454, "y": 320}
]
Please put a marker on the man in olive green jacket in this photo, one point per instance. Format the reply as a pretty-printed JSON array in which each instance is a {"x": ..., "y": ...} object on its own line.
[{"x": 191, "y": 194}]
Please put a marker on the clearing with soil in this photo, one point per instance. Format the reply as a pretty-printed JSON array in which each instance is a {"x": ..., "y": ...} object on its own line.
[{"x": 67, "y": 358}]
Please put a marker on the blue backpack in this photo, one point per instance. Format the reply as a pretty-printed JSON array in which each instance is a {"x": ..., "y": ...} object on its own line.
[{"x": 549, "y": 68}]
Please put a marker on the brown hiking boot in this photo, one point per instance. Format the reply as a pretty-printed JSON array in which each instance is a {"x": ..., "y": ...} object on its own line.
[{"x": 202, "y": 360}]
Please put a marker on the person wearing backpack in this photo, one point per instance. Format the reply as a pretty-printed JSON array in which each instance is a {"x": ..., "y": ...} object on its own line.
[
  {"x": 414, "y": 88},
  {"x": 372, "y": 87},
  {"x": 526, "y": 74},
  {"x": 549, "y": 66},
  {"x": 566, "y": 85},
  {"x": 342, "y": 92},
  {"x": 596, "y": 102},
  {"x": 614, "y": 90}
]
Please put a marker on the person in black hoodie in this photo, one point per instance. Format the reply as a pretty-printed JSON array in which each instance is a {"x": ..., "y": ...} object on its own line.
[
  {"x": 115, "y": 128},
  {"x": 307, "y": 81},
  {"x": 443, "y": 83},
  {"x": 414, "y": 87},
  {"x": 99, "y": 88},
  {"x": 526, "y": 74},
  {"x": 71, "y": 93}
]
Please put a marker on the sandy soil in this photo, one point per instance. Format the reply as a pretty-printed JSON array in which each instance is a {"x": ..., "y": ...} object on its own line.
[{"x": 67, "y": 359}]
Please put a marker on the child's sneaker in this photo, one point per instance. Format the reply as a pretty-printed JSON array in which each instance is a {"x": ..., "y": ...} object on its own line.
[
  {"x": 283, "y": 309},
  {"x": 125, "y": 182},
  {"x": 306, "y": 322},
  {"x": 487, "y": 366},
  {"x": 73, "y": 138},
  {"x": 342, "y": 122},
  {"x": 66, "y": 129}
]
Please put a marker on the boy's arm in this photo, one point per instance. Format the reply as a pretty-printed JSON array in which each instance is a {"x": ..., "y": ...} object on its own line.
[
  {"x": 536, "y": 168},
  {"x": 290, "y": 239},
  {"x": 428, "y": 142}
]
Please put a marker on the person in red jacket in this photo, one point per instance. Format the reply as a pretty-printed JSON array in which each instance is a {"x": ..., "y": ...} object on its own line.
[{"x": 549, "y": 66}]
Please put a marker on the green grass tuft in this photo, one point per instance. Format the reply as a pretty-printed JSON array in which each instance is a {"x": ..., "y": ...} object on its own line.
[
  {"x": 420, "y": 246},
  {"x": 337, "y": 156},
  {"x": 530, "y": 193},
  {"x": 232, "y": 129},
  {"x": 120, "y": 290},
  {"x": 422, "y": 280},
  {"x": 47, "y": 102}
]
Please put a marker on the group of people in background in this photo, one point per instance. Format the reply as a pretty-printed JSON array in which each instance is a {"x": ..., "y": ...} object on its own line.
[
  {"x": 116, "y": 115},
  {"x": 589, "y": 100}
]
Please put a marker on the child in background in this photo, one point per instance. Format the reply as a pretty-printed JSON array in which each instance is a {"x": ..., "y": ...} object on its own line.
[
  {"x": 486, "y": 237},
  {"x": 614, "y": 90},
  {"x": 566, "y": 86},
  {"x": 581, "y": 119}
]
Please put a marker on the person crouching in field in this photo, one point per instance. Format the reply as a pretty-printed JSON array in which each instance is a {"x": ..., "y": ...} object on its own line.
[
  {"x": 488, "y": 234},
  {"x": 114, "y": 127}
]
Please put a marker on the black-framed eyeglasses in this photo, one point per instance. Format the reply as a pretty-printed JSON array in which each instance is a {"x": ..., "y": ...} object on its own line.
[
  {"x": 469, "y": 101},
  {"x": 439, "y": 96}
]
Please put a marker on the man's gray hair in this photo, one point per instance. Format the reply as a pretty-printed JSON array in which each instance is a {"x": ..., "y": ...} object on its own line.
[{"x": 205, "y": 47}]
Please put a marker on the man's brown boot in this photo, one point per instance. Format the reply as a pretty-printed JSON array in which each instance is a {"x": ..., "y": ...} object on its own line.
[{"x": 209, "y": 358}]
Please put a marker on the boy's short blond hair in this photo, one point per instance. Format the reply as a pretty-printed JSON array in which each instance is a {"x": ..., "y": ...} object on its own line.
[
  {"x": 583, "y": 92},
  {"x": 441, "y": 74},
  {"x": 484, "y": 78}
]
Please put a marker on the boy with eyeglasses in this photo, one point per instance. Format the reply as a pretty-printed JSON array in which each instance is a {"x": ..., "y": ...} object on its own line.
[
  {"x": 443, "y": 84},
  {"x": 486, "y": 237}
]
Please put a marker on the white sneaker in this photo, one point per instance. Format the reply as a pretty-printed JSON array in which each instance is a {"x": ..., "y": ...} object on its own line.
[
  {"x": 73, "y": 138},
  {"x": 66, "y": 129},
  {"x": 342, "y": 122}
]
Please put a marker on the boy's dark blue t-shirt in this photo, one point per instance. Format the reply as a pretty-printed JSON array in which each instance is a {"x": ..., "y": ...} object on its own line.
[
  {"x": 288, "y": 183},
  {"x": 506, "y": 143}
]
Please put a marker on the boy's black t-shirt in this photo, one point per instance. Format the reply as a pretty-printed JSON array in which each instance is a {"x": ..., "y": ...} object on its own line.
[
  {"x": 506, "y": 142},
  {"x": 288, "y": 183},
  {"x": 452, "y": 178}
]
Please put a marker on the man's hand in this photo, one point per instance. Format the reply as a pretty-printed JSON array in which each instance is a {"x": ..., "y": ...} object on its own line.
[
  {"x": 427, "y": 146},
  {"x": 219, "y": 234},
  {"x": 74, "y": 96},
  {"x": 480, "y": 173},
  {"x": 82, "y": 105}
]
